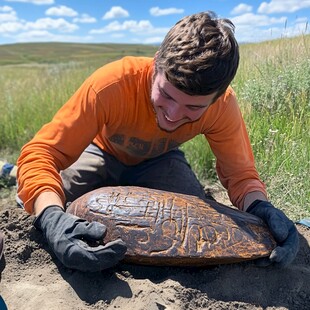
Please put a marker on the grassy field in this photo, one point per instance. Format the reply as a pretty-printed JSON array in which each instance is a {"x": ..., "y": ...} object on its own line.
[
  {"x": 55, "y": 53},
  {"x": 272, "y": 84}
]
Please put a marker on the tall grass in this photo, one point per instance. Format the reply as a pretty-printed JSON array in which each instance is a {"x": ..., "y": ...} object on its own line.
[
  {"x": 31, "y": 94},
  {"x": 273, "y": 89},
  {"x": 279, "y": 127}
]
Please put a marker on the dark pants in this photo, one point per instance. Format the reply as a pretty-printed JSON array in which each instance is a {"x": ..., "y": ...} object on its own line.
[{"x": 96, "y": 168}]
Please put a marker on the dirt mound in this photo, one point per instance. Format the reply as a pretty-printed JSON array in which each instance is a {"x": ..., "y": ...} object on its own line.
[{"x": 33, "y": 278}]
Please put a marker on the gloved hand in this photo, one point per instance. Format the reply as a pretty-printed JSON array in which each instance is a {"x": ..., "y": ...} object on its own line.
[
  {"x": 68, "y": 235},
  {"x": 283, "y": 231}
]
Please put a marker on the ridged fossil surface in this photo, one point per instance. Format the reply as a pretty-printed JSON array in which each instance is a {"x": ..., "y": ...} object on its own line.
[{"x": 164, "y": 228}]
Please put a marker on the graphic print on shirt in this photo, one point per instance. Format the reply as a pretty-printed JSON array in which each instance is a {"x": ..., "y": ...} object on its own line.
[{"x": 142, "y": 148}]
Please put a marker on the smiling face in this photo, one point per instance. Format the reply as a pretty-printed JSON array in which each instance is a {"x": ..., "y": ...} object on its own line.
[{"x": 173, "y": 107}]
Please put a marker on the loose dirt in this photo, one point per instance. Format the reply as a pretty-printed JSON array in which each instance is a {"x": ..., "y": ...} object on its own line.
[{"x": 33, "y": 278}]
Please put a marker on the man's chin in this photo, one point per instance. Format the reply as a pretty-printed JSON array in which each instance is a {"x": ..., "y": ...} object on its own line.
[{"x": 168, "y": 128}]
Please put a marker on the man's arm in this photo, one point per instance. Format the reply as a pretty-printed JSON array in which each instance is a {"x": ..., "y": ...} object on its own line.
[
  {"x": 55, "y": 147},
  {"x": 44, "y": 200},
  {"x": 229, "y": 141}
]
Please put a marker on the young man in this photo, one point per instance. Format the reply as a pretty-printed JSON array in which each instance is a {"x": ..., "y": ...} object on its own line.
[{"x": 123, "y": 126}]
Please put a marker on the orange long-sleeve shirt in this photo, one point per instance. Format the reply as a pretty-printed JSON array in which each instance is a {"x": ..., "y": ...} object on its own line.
[{"x": 113, "y": 109}]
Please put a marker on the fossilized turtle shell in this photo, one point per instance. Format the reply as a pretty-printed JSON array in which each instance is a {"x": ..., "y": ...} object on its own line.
[{"x": 164, "y": 228}]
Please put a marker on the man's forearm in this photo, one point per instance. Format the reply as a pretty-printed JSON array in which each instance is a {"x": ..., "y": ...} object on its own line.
[{"x": 46, "y": 199}]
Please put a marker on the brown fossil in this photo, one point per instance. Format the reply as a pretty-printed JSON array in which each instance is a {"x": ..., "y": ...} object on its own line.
[{"x": 165, "y": 228}]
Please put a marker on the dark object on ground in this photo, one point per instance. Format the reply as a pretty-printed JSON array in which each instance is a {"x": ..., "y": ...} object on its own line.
[
  {"x": 7, "y": 174},
  {"x": 2, "y": 304},
  {"x": 164, "y": 228}
]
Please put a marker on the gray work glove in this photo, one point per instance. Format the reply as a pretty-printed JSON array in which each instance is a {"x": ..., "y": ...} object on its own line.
[
  {"x": 67, "y": 235},
  {"x": 283, "y": 231}
]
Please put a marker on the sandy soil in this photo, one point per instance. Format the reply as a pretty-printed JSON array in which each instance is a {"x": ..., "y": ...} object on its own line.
[{"x": 32, "y": 278}]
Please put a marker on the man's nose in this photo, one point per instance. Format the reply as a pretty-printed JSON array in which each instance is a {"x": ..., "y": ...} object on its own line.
[{"x": 176, "y": 112}]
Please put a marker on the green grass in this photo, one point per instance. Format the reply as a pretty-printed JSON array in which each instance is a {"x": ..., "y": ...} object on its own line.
[
  {"x": 30, "y": 97},
  {"x": 55, "y": 53},
  {"x": 272, "y": 85},
  {"x": 37, "y": 78},
  {"x": 273, "y": 89}
]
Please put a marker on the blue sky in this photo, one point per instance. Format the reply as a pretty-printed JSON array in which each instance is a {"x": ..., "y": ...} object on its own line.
[{"x": 143, "y": 21}]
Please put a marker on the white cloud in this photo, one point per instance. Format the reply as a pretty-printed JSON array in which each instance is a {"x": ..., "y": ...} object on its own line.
[
  {"x": 61, "y": 10},
  {"x": 241, "y": 8},
  {"x": 117, "y": 35},
  {"x": 142, "y": 27},
  {"x": 280, "y": 6},
  {"x": 116, "y": 12},
  {"x": 301, "y": 26},
  {"x": 84, "y": 19},
  {"x": 11, "y": 27},
  {"x": 153, "y": 40},
  {"x": 6, "y": 9},
  {"x": 258, "y": 20},
  {"x": 302, "y": 20},
  {"x": 7, "y": 14},
  {"x": 33, "y": 35},
  {"x": 130, "y": 25},
  {"x": 251, "y": 32},
  {"x": 37, "y": 2},
  {"x": 48, "y": 23},
  {"x": 46, "y": 36},
  {"x": 114, "y": 26},
  {"x": 156, "y": 11}
]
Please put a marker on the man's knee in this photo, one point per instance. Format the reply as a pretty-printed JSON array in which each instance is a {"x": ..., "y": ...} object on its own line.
[{"x": 82, "y": 176}]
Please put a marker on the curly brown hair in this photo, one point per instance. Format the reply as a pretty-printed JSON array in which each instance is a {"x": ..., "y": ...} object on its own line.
[{"x": 199, "y": 54}]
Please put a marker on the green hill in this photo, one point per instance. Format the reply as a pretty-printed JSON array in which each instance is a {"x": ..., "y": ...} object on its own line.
[{"x": 27, "y": 53}]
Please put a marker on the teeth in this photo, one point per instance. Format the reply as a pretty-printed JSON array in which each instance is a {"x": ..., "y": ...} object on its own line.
[{"x": 169, "y": 119}]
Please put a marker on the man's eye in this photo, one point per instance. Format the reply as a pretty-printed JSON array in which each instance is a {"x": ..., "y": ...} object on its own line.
[
  {"x": 194, "y": 108},
  {"x": 166, "y": 96}
]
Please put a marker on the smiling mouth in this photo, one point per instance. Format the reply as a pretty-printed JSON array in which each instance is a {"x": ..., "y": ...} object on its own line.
[
  {"x": 169, "y": 125},
  {"x": 171, "y": 120}
]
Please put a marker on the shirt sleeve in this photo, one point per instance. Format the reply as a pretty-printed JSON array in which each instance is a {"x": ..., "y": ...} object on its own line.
[
  {"x": 55, "y": 146},
  {"x": 229, "y": 141}
]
